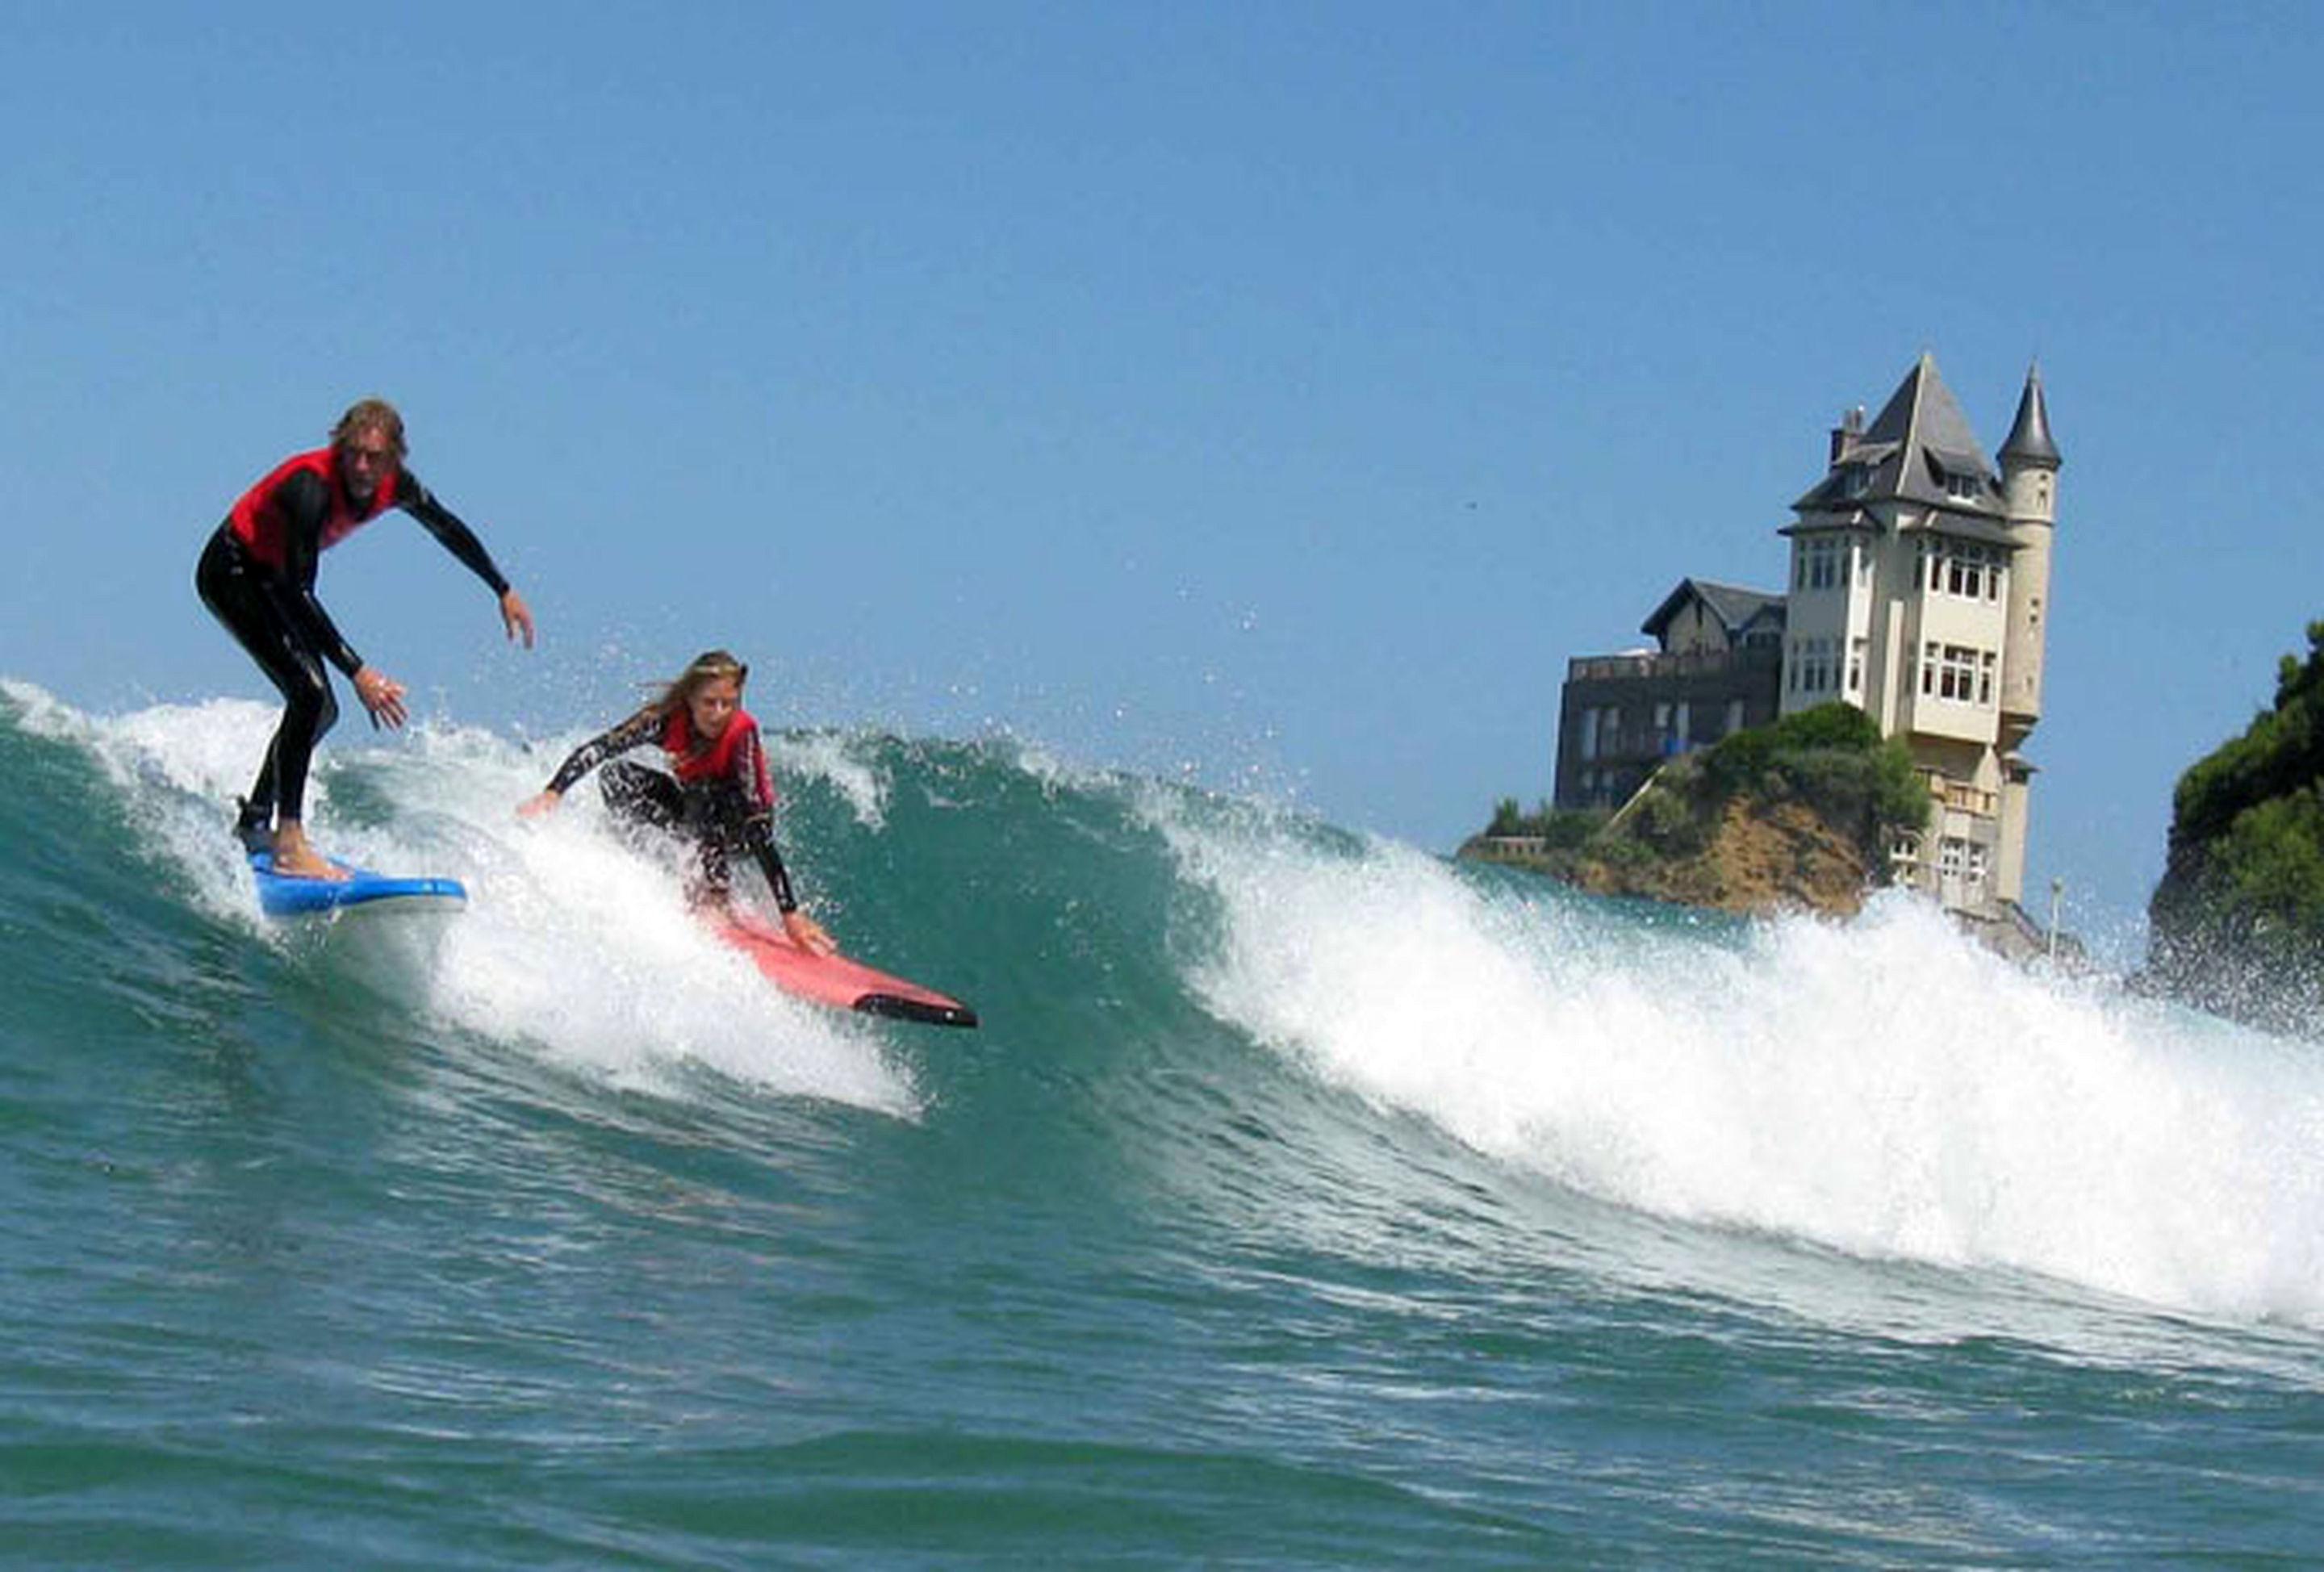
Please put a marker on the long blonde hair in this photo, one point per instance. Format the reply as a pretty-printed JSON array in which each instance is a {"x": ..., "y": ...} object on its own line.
[{"x": 708, "y": 667}]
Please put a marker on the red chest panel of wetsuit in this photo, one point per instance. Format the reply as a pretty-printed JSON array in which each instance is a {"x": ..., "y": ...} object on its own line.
[
  {"x": 261, "y": 520},
  {"x": 690, "y": 762}
]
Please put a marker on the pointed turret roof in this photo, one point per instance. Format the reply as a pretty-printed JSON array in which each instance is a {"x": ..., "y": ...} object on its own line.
[
  {"x": 1918, "y": 449},
  {"x": 2029, "y": 435}
]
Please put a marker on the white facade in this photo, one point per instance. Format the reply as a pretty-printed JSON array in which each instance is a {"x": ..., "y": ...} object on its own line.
[{"x": 1920, "y": 579}]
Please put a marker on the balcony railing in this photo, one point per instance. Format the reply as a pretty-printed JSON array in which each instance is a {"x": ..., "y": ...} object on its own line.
[
  {"x": 1961, "y": 799},
  {"x": 1644, "y": 663}
]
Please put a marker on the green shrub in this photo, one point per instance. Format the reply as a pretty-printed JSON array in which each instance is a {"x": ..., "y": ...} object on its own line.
[
  {"x": 1667, "y": 816},
  {"x": 1827, "y": 725},
  {"x": 1738, "y": 762},
  {"x": 1568, "y": 831},
  {"x": 1832, "y": 758},
  {"x": 1507, "y": 819},
  {"x": 2238, "y": 921}
]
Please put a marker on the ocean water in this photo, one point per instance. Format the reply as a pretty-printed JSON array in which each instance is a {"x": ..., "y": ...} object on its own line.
[{"x": 1304, "y": 1200}]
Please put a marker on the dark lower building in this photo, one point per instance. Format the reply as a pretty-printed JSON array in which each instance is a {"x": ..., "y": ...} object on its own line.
[{"x": 1719, "y": 669}]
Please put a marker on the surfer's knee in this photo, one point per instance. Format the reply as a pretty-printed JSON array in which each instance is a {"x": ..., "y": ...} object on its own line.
[
  {"x": 321, "y": 708},
  {"x": 307, "y": 704},
  {"x": 634, "y": 793}
]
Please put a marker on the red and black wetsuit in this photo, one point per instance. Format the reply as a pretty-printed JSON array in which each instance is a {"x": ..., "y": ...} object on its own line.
[
  {"x": 722, "y": 796},
  {"x": 257, "y": 577}
]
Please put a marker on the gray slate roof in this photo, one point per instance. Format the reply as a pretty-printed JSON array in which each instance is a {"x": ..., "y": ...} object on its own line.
[
  {"x": 2029, "y": 434},
  {"x": 1917, "y": 438},
  {"x": 1736, "y": 608}
]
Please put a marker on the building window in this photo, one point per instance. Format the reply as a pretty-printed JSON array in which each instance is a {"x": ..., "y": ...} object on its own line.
[
  {"x": 1961, "y": 485},
  {"x": 1966, "y": 568},
  {"x": 1820, "y": 562},
  {"x": 1590, "y": 732},
  {"x": 1734, "y": 716},
  {"x": 1814, "y": 665},
  {"x": 1952, "y": 857},
  {"x": 1957, "y": 673}
]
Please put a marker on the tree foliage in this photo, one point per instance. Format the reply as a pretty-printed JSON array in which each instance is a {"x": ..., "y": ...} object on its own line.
[
  {"x": 1832, "y": 758},
  {"x": 2238, "y": 923}
]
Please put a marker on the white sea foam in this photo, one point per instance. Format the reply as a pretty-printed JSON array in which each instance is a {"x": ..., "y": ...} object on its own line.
[
  {"x": 575, "y": 945},
  {"x": 830, "y": 756},
  {"x": 1884, "y": 1087}
]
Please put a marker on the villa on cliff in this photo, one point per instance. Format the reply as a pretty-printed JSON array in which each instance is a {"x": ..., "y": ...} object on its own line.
[{"x": 1918, "y": 592}]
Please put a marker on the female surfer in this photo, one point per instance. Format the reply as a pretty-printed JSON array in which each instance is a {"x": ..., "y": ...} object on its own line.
[
  {"x": 718, "y": 793},
  {"x": 257, "y": 577}
]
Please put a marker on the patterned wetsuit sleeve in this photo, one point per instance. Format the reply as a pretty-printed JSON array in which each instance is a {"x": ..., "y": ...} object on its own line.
[
  {"x": 634, "y": 732},
  {"x": 445, "y": 524},
  {"x": 759, "y": 835},
  {"x": 751, "y": 777},
  {"x": 306, "y": 503},
  {"x": 758, "y": 789}
]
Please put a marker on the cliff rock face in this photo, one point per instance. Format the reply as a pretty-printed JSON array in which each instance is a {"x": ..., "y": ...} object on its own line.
[
  {"x": 1793, "y": 815},
  {"x": 1761, "y": 856},
  {"x": 2236, "y": 925}
]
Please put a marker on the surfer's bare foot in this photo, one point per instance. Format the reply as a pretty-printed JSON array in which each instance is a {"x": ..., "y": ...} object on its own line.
[
  {"x": 808, "y": 934},
  {"x": 296, "y": 859}
]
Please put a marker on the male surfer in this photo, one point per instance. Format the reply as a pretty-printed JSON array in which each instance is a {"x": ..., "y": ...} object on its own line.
[{"x": 257, "y": 577}]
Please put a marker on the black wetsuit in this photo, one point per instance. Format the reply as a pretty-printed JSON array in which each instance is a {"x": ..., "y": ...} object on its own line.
[
  {"x": 257, "y": 577},
  {"x": 721, "y": 813}
]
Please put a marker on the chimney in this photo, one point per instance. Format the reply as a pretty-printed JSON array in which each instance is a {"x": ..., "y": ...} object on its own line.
[{"x": 1844, "y": 435}]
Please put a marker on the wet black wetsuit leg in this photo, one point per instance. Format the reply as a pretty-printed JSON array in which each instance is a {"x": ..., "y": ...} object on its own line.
[
  {"x": 712, "y": 814},
  {"x": 637, "y": 795},
  {"x": 714, "y": 817},
  {"x": 252, "y": 604}
]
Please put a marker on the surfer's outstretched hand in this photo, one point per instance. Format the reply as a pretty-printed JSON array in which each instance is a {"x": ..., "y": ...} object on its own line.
[
  {"x": 534, "y": 807},
  {"x": 381, "y": 695},
  {"x": 808, "y": 934},
  {"x": 516, "y": 616}
]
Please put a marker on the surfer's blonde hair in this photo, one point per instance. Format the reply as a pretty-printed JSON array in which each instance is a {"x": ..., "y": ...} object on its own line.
[
  {"x": 377, "y": 416},
  {"x": 708, "y": 667}
]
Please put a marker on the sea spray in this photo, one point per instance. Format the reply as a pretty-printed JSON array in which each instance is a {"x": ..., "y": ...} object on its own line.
[
  {"x": 573, "y": 941},
  {"x": 1305, "y": 1199},
  {"x": 1883, "y": 1087}
]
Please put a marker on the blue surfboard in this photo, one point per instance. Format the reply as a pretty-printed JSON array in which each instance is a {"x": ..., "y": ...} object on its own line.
[{"x": 285, "y": 895}]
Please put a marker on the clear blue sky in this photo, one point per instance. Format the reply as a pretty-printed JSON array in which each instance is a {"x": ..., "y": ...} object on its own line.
[{"x": 1279, "y": 392}]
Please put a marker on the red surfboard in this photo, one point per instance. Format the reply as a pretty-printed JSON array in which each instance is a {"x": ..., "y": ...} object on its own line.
[{"x": 835, "y": 979}]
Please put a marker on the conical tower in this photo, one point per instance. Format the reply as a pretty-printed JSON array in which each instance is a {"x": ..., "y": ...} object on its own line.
[
  {"x": 2030, "y": 462},
  {"x": 2029, "y": 490}
]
